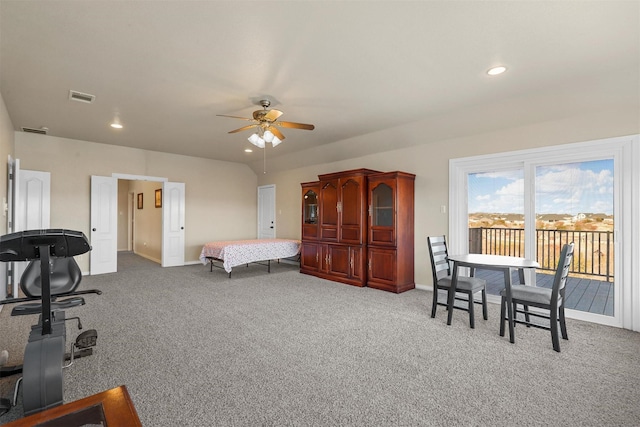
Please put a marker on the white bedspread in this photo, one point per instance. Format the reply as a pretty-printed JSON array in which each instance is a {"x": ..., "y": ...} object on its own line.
[{"x": 239, "y": 252}]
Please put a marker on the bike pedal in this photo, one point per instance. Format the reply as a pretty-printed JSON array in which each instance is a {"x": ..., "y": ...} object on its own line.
[{"x": 87, "y": 339}]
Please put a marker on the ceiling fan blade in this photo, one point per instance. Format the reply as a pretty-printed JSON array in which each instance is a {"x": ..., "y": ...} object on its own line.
[
  {"x": 234, "y": 117},
  {"x": 244, "y": 128},
  {"x": 272, "y": 115},
  {"x": 266, "y": 115},
  {"x": 276, "y": 132},
  {"x": 295, "y": 125}
]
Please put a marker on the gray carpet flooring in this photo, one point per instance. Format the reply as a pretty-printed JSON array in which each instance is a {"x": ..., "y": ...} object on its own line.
[{"x": 196, "y": 348}]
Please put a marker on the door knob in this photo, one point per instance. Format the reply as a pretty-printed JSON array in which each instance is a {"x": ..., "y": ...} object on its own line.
[{"x": 93, "y": 229}]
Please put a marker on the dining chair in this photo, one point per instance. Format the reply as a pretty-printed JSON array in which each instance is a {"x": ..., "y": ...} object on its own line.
[
  {"x": 441, "y": 270},
  {"x": 550, "y": 300}
]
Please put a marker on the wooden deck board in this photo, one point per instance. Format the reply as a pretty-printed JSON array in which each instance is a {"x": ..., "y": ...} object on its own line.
[{"x": 592, "y": 296}]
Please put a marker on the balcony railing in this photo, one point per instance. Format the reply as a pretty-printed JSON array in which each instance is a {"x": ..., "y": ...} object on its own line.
[{"x": 593, "y": 254}]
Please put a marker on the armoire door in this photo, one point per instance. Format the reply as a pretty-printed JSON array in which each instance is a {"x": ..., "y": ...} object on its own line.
[
  {"x": 329, "y": 210},
  {"x": 351, "y": 210}
]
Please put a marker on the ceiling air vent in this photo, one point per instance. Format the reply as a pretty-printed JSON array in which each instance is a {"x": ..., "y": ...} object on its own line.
[
  {"x": 41, "y": 131},
  {"x": 81, "y": 97}
]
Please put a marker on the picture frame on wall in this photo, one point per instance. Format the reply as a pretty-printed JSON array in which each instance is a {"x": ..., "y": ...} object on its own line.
[
  {"x": 159, "y": 198},
  {"x": 140, "y": 197}
]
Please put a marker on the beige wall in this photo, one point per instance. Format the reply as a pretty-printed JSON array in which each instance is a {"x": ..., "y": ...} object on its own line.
[
  {"x": 147, "y": 236},
  {"x": 123, "y": 215},
  {"x": 6, "y": 150},
  {"x": 220, "y": 197},
  {"x": 430, "y": 163}
]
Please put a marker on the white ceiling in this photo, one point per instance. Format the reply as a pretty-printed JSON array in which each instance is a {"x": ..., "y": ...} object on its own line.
[{"x": 167, "y": 68}]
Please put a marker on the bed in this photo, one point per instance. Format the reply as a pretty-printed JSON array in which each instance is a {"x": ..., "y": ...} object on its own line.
[{"x": 242, "y": 252}]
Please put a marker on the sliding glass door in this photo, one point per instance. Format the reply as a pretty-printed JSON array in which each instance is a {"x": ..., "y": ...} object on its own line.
[
  {"x": 496, "y": 218},
  {"x": 574, "y": 203},
  {"x": 529, "y": 204}
]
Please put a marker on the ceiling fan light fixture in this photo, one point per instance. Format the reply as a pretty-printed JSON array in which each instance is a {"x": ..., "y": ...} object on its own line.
[
  {"x": 268, "y": 136},
  {"x": 256, "y": 140},
  {"x": 265, "y": 123}
]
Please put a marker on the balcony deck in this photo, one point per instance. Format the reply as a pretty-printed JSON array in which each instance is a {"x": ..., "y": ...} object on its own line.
[{"x": 589, "y": 295}]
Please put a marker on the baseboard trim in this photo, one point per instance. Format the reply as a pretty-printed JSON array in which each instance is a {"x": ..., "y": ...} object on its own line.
[
  {"x": 424, "y": 287},
  {"x": 148, "y": 257}
]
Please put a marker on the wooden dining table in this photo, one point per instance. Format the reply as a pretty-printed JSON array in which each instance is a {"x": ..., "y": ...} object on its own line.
[{"x": 489, "y": 262}]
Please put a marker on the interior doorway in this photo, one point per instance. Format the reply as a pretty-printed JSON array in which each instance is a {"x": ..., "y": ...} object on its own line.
[
  {"x": 154, "y": 197},
  {"x": 139, "y": 225}
]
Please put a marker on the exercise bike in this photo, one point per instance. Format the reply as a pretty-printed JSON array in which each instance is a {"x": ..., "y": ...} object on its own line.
[{"x": 51, "y": 274}]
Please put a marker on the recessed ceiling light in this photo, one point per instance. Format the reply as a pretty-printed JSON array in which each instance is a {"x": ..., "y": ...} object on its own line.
[
  {"x": 116, "y": 125},
  {"x": 496, "y": 70},
  {"x": 248, "y": 150}
]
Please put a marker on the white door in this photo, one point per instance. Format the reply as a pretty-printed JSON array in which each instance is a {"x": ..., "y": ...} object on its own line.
[
  {"x": 173, "y": 224},
  {"x": 267, "y": 212},
  {"x": 32, "y": 208},
  {"x": 104, "y": 225},
  {"x": 6, "y": 268}
]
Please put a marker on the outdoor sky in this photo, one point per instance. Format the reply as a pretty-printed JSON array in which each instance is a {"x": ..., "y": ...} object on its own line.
[{"x": 570, "y": 188}]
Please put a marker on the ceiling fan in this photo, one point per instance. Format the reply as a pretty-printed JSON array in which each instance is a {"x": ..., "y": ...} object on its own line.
[{"x": 266, "y": 122}]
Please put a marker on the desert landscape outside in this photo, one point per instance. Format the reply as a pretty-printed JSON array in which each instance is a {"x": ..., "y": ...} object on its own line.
[{"x": 573, "y": 203}]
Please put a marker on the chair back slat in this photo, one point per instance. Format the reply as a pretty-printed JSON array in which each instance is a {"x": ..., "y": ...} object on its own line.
[
  {"x": 439, "y": 257},
  {"x": 562, "y": 272}
]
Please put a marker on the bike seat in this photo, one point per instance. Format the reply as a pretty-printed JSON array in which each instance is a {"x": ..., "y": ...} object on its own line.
[{"x": 65, "y": 276}]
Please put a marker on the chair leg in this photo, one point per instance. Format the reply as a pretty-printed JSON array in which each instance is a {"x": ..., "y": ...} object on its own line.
[
  {"x": 435, "y": 302},
  {"x": 554, "y": 329},
  {"x": 503, "y": 306},
  {"x": 471, "y": 313},
  {"x": 563, "y": 325},
  {"x": 526, "y": 314},
  {"x": 515, "y": 313},
  {"x": 484, "y": 305}
]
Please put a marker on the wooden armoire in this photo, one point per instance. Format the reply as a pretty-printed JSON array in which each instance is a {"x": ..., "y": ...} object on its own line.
[{"x": 357, "y": 228}]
